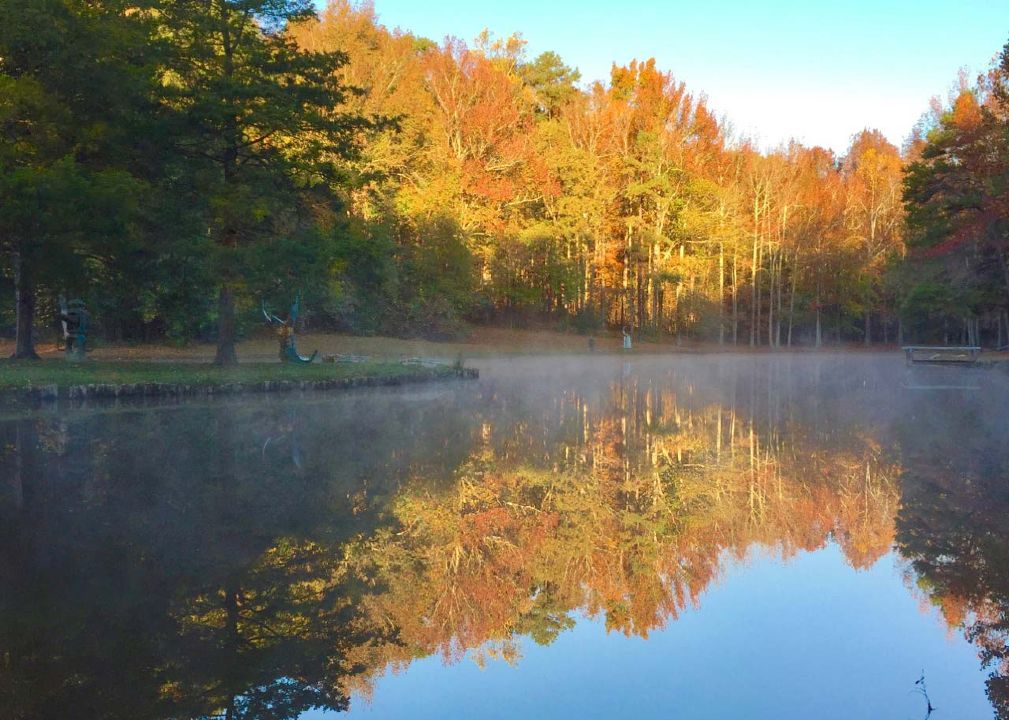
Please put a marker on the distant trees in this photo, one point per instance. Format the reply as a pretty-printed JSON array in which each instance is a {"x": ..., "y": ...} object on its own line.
[{"x": 620, "y": 204}]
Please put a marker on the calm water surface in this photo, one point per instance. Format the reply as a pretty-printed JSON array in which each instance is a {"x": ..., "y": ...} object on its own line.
[{"x": 668, "y": 537}]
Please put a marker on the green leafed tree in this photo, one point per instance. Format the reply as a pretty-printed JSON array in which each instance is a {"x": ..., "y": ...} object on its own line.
[
  {"x": 73, "y": 81},
  {"x": 553, "y": 83},
  {"x": 957, "y": 196},
  {"x": 263, "y": 131}
]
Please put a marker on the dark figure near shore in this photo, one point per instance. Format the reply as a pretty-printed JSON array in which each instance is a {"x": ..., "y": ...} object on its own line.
[{"x": 74, "y": 321}]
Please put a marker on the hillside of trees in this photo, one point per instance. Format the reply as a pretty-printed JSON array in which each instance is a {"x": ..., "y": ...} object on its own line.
[{"x": 177, "y": 165}]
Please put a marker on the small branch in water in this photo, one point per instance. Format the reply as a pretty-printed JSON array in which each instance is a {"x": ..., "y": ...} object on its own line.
[{"x": 923, "y": 691}]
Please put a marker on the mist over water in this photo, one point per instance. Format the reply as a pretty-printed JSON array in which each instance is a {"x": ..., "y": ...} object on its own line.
[{"x": 611, "y": 536}]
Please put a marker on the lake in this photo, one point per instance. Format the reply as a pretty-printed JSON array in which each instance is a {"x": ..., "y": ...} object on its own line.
[{"x": 681, "y": 536}]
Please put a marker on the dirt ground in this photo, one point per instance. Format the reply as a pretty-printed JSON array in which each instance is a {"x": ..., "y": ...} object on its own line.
[
  {"x": 482, "y": 342},
  {"x": 263, "y": 346}
]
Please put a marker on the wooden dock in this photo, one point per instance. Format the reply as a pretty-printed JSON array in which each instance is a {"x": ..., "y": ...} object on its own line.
[{"x": 941, "y": 355}]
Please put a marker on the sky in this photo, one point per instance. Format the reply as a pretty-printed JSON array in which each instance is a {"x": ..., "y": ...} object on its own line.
[{"x": 813, "y": 71}]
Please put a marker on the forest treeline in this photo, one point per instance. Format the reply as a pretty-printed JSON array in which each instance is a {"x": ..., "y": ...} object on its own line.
[{"x": 180, "y": 164}]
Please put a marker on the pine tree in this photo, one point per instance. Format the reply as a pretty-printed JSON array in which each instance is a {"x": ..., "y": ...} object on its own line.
[{"x": 259, "y": 120}]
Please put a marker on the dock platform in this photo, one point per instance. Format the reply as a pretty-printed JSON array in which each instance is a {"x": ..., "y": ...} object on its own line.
[{"x": 941, "y": 355}]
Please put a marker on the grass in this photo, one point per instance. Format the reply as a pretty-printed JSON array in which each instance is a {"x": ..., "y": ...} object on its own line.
[
  {"x": 483, "y": 342},
  {"x": 24, "y": 375}
]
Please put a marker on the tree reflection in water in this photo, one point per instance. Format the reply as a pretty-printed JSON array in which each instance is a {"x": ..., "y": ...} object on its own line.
[
  {"x": 258, "y": 559},
  {"x": 953, "y": 526}
]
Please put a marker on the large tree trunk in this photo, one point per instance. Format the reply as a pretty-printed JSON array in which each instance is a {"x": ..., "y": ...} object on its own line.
[
  {"x": 226, "y": 354},
  {"x": 24, "y": 283}
]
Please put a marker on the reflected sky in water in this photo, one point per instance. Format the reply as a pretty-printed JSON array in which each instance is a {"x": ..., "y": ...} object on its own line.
[
  {"x": 809, "y": 637},
  {"x": 696, "y": 537}
]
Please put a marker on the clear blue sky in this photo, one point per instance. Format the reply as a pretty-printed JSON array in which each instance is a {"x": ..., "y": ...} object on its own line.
[{"x": 814, "y": 70}]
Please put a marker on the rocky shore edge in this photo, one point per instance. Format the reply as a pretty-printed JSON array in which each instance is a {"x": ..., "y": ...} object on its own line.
[{"x": 76, "y": 394}]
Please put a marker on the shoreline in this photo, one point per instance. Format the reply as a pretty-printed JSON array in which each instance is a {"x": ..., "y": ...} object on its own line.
[{"x": 215, "y": 382}]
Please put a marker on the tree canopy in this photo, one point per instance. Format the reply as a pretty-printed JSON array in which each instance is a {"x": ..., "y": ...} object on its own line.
[{"x": 177, "y": 163}]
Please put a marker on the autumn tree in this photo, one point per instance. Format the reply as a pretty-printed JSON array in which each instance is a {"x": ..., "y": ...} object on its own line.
[
  {"x": 873, "y": 170},
  {"x": 624, "y": 203}
]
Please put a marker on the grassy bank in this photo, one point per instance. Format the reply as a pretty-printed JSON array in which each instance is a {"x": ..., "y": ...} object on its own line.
[
  {"x": 262, "y": 346},
  {"x": 51, "y": 380},
  {"x": 24, "y": 375}
]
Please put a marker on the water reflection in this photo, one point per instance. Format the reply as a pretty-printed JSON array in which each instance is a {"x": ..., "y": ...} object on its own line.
[
  {"x": 258, "y": 559},
  {"x": 953, "y": 525}
]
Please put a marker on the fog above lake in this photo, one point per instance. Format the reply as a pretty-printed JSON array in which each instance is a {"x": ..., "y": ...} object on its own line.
[{"x": 259, "y": 557}]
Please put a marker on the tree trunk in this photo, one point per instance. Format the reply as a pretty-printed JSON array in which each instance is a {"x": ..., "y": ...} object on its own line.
[
  {"x": 24, "y": 284},
  {"x": 791, "y": 298},
  {"x": 226, "y": 354},
  {"x": 754, "y": 291},
  {"x": 753, "y": 295},
  {"x": 735, "y": 298},
  {"x": 721, "y": 293},
  {"x": 1004, "y": 262},
  {"x": 770, "y": 298},
  {"x": 650, "y": 290},
  {"x": 781, "y": 282},
  {"x": 819, "y": 325}
]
